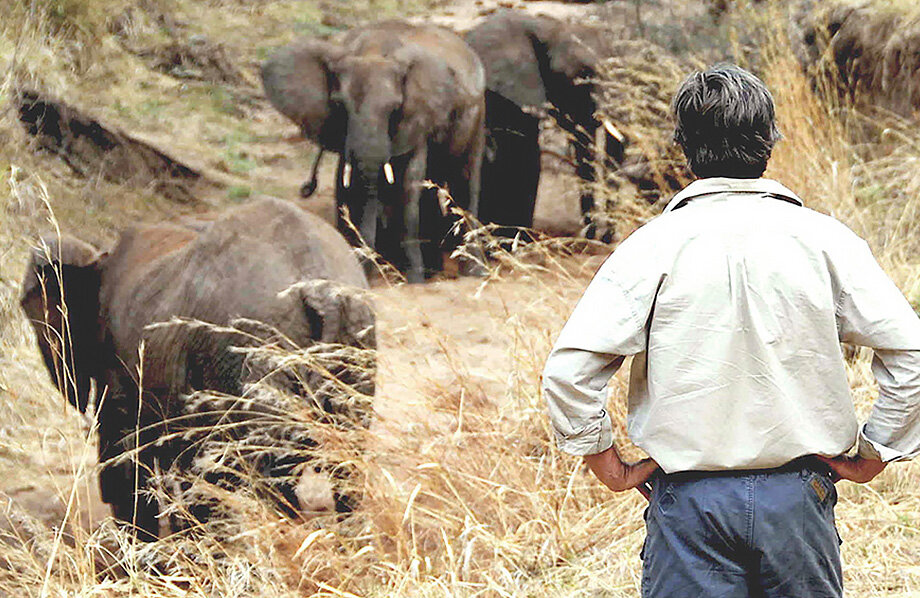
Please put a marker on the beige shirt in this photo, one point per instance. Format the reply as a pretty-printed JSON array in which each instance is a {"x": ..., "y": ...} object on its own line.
[{"x": 734, "y": 302}]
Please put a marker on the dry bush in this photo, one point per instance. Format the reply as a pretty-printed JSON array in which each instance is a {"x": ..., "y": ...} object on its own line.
[
  {"x": 871, "y": 50},
  {"x": 635, "y": 87}
]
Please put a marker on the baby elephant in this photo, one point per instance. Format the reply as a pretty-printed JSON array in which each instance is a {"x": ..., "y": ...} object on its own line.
[{"x": 175, "y": 309}]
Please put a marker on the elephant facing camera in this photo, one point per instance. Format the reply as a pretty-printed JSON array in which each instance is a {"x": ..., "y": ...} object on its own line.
[{"x": 400, "y": 104}]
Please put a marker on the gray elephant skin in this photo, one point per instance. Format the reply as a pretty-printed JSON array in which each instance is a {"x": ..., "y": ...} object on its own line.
[
  {"x": 400, "y": 104},
  {"x": 262, "y": 274},
  {"x": 537, "y": 66}
]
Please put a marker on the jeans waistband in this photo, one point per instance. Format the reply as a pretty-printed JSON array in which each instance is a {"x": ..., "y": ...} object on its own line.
[{"x": 809, "y": 462}]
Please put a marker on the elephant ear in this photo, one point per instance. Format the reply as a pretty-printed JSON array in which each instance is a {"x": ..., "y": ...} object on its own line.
[
  {"x": 300, "y": 83},
  {"x": 510, "y": 49},
  {"x": 573, "y": 50},
  {"x": 338, "y": 313},
  {"x": 60, "y": 296}
]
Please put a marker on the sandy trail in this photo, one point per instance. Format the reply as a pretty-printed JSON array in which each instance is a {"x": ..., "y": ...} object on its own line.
[{"x": 461, "y": 15}]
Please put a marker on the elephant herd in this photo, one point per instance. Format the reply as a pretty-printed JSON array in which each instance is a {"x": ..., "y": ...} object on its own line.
[
  {"x": 135, "y": 333},
  {"x": 402, "y": 104}
]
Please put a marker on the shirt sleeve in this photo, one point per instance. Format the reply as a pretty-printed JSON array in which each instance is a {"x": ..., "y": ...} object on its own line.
[
  {"x": 608, "y": 324},
  {"x": 872, "y": 312}
]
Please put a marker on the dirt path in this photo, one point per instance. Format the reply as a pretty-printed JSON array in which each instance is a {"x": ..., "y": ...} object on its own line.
[{"x": 464, "y": 14}]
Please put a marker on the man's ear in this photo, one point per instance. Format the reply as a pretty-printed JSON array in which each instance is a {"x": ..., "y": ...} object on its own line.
[{"x": 60, "y": 296}]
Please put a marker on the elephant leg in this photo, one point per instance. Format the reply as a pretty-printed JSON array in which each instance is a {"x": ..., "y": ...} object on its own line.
[
  {"x": 584, "y": 169},
  {"x": 464, "y": 180},
  {"x": 123, "y": 483},
  {"x": 510, "y": 169},
  {"x": 344, "y": 199},
  {"x": 472, "y": 169},
  {"x": 522, "y": 155},
  {"x": 412, "y": 182},
  {"x": 582, "y": 140},
  {"x": 530, "y": 167}
]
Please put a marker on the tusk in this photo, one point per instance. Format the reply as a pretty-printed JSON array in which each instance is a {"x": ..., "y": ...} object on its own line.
[
  {"x": 346, "y": 175},
  {"x": 388, "y": 171},
  {"x": 614, "y": 131}
]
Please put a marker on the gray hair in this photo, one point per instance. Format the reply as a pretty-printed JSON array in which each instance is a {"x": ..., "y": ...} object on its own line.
[{"x": 725, "y": 122}]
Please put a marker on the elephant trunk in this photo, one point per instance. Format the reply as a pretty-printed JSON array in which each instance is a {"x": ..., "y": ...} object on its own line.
[
  {"x": 369, "y": 168},
  {"x": 368, "y": 224},
  {"x": 369, "y": 148}
]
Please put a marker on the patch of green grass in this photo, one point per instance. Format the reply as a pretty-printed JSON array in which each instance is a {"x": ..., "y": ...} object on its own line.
[
  {"x": 239, "y": 192},
  {"x": 263, "y": 52},
  {"x": 235, "y": 155},
  {"x": 238, "y": 161},
  {"x": 869, "y": 194},
  {"x": 151, "y": 108},
  {"x": 121, "y": 108},
  {"x": 237, "y": 136},
  {"x": 313, "y": 28},
  {"x": 222, "y": 101}
]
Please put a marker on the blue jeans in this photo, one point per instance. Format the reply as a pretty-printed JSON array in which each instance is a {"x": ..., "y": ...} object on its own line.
[{"x": 746, "y": 534}]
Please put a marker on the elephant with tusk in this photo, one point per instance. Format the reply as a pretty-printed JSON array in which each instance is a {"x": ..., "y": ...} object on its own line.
[
  {"x": 400, "y": 104},
  {"x": 176, "y": 310},
  {"x": 538, "y": 67}
]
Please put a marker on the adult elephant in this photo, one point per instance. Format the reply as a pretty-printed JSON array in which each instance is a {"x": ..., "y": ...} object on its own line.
[
  {"x": 401, "y": 104},
  {"x": 172, "y": 309},
  {"x": 537, "y": 66}
]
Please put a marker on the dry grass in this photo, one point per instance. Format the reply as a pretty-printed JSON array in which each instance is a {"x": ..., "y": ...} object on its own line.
[
  {"x": 635, "y": 87},
  {"x": 464, "y": 491},
  {"x": 870, "y": 48}
]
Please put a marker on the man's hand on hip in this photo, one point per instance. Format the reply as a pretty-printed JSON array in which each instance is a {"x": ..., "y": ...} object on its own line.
[
  {"x": 618, "y": 476},
  {"x": 855, "y": 469}
]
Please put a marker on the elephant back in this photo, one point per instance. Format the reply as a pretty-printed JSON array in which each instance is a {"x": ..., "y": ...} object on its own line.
[
  {"x": 234, "y": 268},
  {"x": 505, "y": 46},
  {"x": 299, "y": 242},
  {"x": 528, "y": 59}
]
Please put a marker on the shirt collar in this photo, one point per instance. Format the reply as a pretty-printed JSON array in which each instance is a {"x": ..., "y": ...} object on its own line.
[{"x": 715, "y": 185}]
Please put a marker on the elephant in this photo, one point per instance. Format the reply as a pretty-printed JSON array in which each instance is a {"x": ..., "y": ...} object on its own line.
[
  {"x": 171, "y": 310},
  {"x": 538, "y": 66},
  {"x": 400, "y": 104}
]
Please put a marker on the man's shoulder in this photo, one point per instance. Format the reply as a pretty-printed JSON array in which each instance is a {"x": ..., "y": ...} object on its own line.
[
  {"x": 762, "y": 212},
  {"x": 824, "y": 227}
]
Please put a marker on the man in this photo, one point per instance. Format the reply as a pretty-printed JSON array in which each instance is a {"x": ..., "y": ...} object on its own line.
[{"x": 733, "y": 303}]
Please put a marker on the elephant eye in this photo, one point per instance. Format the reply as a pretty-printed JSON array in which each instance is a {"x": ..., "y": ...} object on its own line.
[{"x": 395, "y": 118}]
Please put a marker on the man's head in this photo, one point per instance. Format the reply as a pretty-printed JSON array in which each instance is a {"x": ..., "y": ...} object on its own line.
[{"x": 725, "y": 122}]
